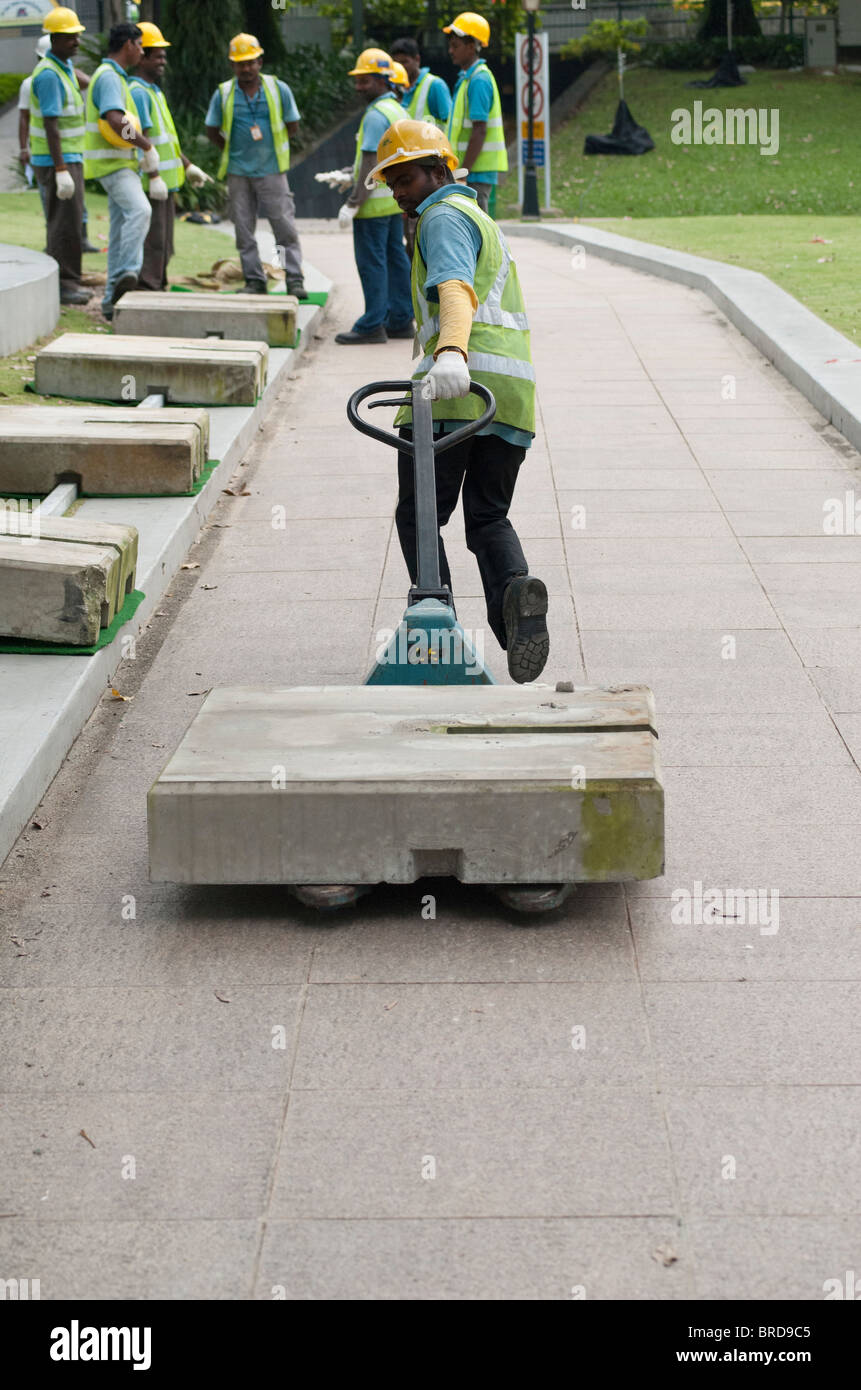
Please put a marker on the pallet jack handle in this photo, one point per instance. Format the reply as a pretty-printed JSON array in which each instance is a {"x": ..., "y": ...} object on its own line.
[
  {"x": 423, "y": 447},
  {"x": 414, "y": 399}
]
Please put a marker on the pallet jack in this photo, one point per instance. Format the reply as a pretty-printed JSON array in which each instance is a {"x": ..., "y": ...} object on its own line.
[{"x": 428, "y": 768}]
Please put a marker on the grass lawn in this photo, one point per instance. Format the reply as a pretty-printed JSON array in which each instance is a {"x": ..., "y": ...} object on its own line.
[
  {"x": 23, "y": 225},
  {"x": 729, "y": 202}
]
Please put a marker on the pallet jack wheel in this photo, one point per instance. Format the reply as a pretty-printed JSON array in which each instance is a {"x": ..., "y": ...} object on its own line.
[
  {"x": 532, "y": 897},
  {"x": 328, "y": 897}
]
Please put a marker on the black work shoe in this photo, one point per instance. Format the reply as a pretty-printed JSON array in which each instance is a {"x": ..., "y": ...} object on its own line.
[
  {"x": 405, "y": 331},
  {"x": 75, "y": 297},
  {"x": 297, "y": 287},
  {"x": 88, "y": 248},
  {"x": 254, "y": 287},
  {"x": 123, "y": 286},
  {"x": 524, "y": 609},
  {"x": 376, "y": 335}
]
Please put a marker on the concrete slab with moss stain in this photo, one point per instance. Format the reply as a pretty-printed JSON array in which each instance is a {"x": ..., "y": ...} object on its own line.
[
  {"x": 52, "y": 591},
  {"x": 106, "y": 449},
  {"x": 187, "y": 371},
  {"x": 370, "y": 784},
  {"x": 78, "y": 530},
  {"x": 266, "y": 318}
]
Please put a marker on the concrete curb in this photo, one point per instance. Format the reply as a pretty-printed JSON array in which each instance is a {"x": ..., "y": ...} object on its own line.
[
  {"x": 45, "y": 701},
  {"x": 821, "y": 363},
  {"x": 29, "y": 297}
]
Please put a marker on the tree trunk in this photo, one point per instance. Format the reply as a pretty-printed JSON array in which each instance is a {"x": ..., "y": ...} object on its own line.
[
  {"x": 263, "y": 20},
  {"x": 199, "y": 33},
  {"x": 744, "y": 21},
  {"x": 115, "y": 13}
]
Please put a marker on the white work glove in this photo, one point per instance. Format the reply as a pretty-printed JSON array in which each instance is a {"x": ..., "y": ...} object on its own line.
[
  {"x": 345, "y": 216},
  {"x": 65, "y": 184},
  {"x": 158, "y": 189},
  {"x": 149, "y": 164},
  {"x": 448, "y": 378},
  {"x": 336, "y": 178},
  {"x": 197, "y": 177}
]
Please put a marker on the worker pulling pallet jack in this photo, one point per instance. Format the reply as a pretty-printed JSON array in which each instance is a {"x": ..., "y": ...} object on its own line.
[{"x": 471, "y": 325}]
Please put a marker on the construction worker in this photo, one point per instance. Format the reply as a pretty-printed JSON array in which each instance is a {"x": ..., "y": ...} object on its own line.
[
  {"x": 42, "y": 47},
  {"x": 173, "y": 166},
  {"x": 114, "y": 138},
  {"x": 56, "y": 132},
  {"x": 378, "y": 243},
  {"x": 475, "y": 130},
  {"x": 427, "y": 97},
  {"x": 399, "y": 81},
  {"x": 250, "y": 119},
  {"x": 471, "y": 325}
]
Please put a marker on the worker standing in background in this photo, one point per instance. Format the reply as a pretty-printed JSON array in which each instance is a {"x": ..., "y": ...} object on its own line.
[
  {"x": 114, "y": 137},
  {"x": 475, "y": 130},
  {"x": 471, "y": 325},
  {"x": 250, "y": 119},
  {"x": 427, "y": 97},
  {"x": 173, "y": 167},
  {"x": 56, "y": 131},
  {"x": 43, "y": 47},
  {"x": 378, "y": 244}
]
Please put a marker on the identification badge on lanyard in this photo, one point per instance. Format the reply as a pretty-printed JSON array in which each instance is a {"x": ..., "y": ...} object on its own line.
[{"x": 256, "y": 133}]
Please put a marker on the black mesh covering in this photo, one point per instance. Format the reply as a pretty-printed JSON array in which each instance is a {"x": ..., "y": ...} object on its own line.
[
  {"x": 626, "y": 136},
  {"x": 727, "y": 74}
]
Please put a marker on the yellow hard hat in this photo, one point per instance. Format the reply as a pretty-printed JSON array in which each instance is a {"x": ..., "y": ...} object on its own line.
[
  {"x": 407, "y": 140},
  {"x": 470, "y": 25},
  {"x": 130, "y": 117},
  {"x": 243, "y": 47},
  {"x": 399, "y": 77},
  {"x": 374, "y": 61},
  {"x": 62, "y": 21},
  {"x": 151, "y": 35}
]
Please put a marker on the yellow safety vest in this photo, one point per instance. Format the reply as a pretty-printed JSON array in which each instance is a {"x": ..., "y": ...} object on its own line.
[
  {"x": 71, "y": 120},
  {"x": 493, "y": 154},
  {"x": 280, "y": 134},
  {"x": 100, "y": 156},
  {"x": 380, "y": 203},
  {"x": 163, "y": 135}
]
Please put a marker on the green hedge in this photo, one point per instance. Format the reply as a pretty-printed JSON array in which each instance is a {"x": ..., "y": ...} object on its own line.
[
  {"x": 768, "y": 51},
  {"x": 9, "y": 84}
]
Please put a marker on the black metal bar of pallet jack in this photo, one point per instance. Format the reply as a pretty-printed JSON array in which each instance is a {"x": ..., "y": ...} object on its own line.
[{"x": 428, "y": 582}]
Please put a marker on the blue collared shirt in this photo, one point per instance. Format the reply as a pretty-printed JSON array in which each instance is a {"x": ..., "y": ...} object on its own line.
[
  {"x": 449, "y": 242},
  {"x": 253, "y": 159},
  {"x": 51, "y": 95},
  {"x": 479, "y": 100}
]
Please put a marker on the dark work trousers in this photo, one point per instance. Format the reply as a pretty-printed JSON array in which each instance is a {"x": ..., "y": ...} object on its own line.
[
  {"x": 158, "y": 247},
  {"x": 486, "y": 467},
  {"x": 64, "y": 220}
]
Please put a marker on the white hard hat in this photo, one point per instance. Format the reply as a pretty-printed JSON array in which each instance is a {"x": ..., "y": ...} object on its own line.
[{"x": 43, "y": 45}]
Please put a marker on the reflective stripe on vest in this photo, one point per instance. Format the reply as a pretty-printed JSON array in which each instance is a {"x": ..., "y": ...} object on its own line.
[
  {"x": 498, "y": 348},
  {"x": 380, "y": 202},
  {"x": 280, "y": 135},
  {"x": 417, "y": 106},
  {"x": 492, "y": 155},
  {"x": 70, "y": 122},
  {"x": 100, "y": 156},
  {"x": 163, "y": 135}
]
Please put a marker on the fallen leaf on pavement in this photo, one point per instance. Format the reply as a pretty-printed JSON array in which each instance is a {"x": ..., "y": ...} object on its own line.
[
  {"x": 223, "y": 997},
  {"x": 665, "y": 1255},
  {"x": 84, "y": 1135},
  {"x": 193, "y": 566}
]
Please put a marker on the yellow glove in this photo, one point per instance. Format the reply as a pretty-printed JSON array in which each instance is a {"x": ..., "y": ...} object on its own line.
[{"x": 457, "y": 304}]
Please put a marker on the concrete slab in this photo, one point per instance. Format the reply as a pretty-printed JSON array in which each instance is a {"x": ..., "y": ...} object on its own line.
[
  {"x": 107, "y": 449},
  {"x": 106, "y": 535},
  {"x": 367, "y": 785},
  {"x": 29, "y": 296},
  {"x": 186, "y": 371},
  {"x": 56, "y": 591},
  {"x": 251, "y": 318}
]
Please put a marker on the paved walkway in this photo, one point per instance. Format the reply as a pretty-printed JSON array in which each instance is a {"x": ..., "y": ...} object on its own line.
[{"x": 392, "y": 1107}]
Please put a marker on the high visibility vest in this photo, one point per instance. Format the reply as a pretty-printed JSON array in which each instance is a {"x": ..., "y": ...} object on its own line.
[
  {"x": 417, "y": 105},
  {"x": 280, "y": 135},
  {"x": 163, "y": 135},
  {"x": 71, "y": 120},
  {"x": 100, "y": 156},
  {"x": 380, "y": 203},
  {"x": 493, "y": 155},
  {"x": 499, "y": 352}
]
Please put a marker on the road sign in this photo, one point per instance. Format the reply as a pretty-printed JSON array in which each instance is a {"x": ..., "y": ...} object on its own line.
[{"x": 540, "y": 107}]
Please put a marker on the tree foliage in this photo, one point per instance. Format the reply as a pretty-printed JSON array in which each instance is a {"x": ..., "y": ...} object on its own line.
[{"x": 607, "y": 36}]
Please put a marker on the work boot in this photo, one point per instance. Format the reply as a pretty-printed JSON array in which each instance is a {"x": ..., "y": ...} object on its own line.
[
  {"x": 406, "y": 330},
  {"x": 376, "y": 335},
  {"x": 123, "y": 286},
  {"x": 297, "y": 287},
  {"x": 527, "y": 641},
  {"x": 254, "y": 287},
  {"x": 88, "y": 248},
  {"x": 75, "y": 296}
]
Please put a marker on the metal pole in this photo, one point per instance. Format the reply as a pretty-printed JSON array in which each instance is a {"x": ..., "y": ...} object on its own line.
[
  {"x": 729, "y": 25},
  {"x": 531, "y": 211}
]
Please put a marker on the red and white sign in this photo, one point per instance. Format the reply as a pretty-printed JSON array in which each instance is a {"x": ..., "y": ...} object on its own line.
[{"x": 540, "y": 106}]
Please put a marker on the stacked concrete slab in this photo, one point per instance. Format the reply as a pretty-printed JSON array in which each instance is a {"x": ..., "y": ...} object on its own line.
[
  {"x": 186, "y": 371},
  {"x": 266, "y": 318},
  {"x": 106, "y": 449}
]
